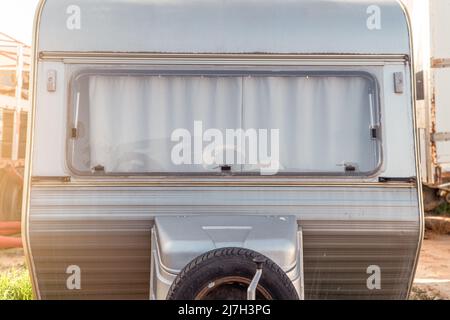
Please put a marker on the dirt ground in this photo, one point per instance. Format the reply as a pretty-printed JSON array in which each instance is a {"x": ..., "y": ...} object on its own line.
[
  {"x": 432, "y": 278},
  {"x": 11, "y": 259},
  {"x": 433, "y": 273}
]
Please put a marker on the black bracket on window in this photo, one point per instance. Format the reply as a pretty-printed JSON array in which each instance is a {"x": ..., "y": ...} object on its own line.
[
  {"x": 375, "y": 132},
  {"x": 74, "y": 133},
  {"x": 397, "y": 179},
  {"x": 351, "y": 167},
  {"x": 225, "y": 169},
  {"x": 99, "y": 169}
]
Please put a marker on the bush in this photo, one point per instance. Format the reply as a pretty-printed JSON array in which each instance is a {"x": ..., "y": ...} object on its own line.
[{"x": 443, "y": 210}]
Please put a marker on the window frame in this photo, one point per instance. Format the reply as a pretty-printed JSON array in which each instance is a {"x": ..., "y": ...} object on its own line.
[{"x": 222, "y": 71}]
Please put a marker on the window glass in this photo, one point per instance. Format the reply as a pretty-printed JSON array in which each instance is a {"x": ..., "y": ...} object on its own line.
[{"x": 244, "y": 124}]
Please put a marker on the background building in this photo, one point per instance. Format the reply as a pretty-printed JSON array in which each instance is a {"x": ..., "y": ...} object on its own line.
[{"x": 14, "y": 107}]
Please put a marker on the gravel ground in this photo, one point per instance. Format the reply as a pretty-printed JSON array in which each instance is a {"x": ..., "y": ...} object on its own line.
[{"x": 433, "y": 273}]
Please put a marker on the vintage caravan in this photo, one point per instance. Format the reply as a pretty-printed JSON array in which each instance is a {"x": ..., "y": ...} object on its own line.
[{"x": 222, "y": 150}]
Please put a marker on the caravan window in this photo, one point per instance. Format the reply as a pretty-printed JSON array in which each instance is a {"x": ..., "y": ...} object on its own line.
[{"x": 136, "y": 123}]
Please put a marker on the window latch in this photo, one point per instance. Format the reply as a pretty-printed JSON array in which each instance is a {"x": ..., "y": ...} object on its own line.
[
  {"x": 99, "y": 169},
  {"x": 74, "y": 133},
  {"x": 350, "y": 167},
  {"x": 51, "y": 81},
  {"x": 399, "y": 82},
  {"x": 375, "y": 132}
]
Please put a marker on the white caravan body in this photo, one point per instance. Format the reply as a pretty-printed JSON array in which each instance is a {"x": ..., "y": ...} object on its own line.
[{"x": 113, "y": 81}]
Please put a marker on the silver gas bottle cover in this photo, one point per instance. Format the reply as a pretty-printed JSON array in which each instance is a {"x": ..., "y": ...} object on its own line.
[{"x": 182, "y": 239}]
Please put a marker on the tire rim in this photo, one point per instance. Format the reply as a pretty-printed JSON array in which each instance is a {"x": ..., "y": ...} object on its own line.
[{"x": 234, "y": 287}]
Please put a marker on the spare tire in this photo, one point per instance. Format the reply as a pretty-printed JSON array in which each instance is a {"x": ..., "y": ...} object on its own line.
[{"x": 225, "y": 274}]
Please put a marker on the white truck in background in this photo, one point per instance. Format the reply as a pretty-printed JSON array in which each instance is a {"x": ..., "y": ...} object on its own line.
[{"x": 431, "y": 27}]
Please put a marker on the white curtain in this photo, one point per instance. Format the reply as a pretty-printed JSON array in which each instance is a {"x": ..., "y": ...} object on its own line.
[
  {"x": 323, "y": 121},
  {"x": 132, "y": 118}
]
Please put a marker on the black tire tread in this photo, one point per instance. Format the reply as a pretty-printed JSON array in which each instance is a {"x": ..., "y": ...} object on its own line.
[{"x": 229, "y": 252}]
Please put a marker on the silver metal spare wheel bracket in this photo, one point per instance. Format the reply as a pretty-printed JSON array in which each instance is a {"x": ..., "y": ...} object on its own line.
[
  {"x": 259, "y": 261},
  {"x": 251, "y": 292}
]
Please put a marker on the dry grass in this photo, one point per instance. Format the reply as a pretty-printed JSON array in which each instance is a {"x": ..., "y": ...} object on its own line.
[
  {"x": 15, "y": 285},
  {"x": 419, "y": 293}
]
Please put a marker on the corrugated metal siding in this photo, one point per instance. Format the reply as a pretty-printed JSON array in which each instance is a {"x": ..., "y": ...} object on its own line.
[
  {"x": 6, "y": 133},
  {"x": 106, "y": 231},
  {"x": 337, "y": 255}
]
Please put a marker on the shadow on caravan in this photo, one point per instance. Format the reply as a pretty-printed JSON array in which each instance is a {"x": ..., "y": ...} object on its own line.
[{"x": 126, "y": 198}]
